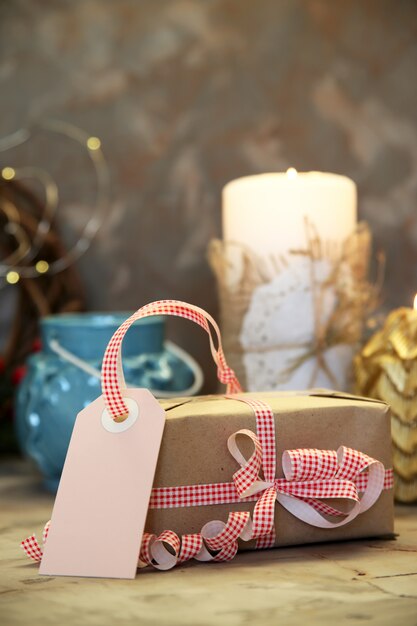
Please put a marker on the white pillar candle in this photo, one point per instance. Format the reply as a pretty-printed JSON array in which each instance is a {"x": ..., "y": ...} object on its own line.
[{"x": 266, "y": 214}]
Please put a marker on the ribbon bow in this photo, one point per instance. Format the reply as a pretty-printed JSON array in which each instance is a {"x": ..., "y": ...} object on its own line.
[{"x": 309, "y": 476}]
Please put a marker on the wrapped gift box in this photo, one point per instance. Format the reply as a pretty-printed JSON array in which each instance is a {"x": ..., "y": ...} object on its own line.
[
  {"x": 250, "y": 470},
  {"x": 194, "y": 452}
]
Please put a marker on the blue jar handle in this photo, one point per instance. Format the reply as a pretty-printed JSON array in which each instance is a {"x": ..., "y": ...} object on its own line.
[
  {"x": 182, "y": 355},
  {"x": 192, "y": 364}
]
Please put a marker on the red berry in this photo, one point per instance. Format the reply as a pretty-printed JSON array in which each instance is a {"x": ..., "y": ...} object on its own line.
[
  {"x": 36, "y": 345},
  {"x": 18, "y": 374}
]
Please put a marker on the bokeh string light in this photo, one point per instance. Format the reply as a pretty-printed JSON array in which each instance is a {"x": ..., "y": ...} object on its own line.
[{"x": 23, "y": 261}]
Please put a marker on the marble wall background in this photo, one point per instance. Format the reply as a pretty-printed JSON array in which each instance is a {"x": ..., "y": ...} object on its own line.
[{"x": 188, "y": 94}]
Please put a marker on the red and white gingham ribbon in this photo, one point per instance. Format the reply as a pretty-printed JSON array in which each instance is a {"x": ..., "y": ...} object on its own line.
[
  {"x": 310, "y": 475},
  {"x": 112, "y": 373}
]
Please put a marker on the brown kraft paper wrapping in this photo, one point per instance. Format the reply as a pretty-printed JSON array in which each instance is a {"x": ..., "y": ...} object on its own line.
[{"x": 194, "y": 451}]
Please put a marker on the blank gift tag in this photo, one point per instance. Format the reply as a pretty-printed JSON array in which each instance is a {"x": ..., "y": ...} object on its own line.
[{"x": 102, "y": 501}]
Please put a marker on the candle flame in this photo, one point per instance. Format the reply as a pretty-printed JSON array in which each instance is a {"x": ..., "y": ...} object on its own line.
[
  {"x": 292, "y": 174},
  {"x": 415, "y": 302}
]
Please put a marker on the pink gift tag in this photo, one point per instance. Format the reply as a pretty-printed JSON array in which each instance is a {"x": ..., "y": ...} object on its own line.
[{"x": 102, "y": 501}]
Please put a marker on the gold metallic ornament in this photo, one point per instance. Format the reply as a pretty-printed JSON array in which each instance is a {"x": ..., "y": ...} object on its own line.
[
  {"x": 21, "y": 262},
  {"x": 386, "y": 369}
]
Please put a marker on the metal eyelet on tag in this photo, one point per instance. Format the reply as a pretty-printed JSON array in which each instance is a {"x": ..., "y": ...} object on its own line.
[{"x": 118, "y": 427}]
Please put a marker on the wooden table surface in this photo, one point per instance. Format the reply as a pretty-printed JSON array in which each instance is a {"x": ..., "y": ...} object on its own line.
[{"x": 369, "y": 581}]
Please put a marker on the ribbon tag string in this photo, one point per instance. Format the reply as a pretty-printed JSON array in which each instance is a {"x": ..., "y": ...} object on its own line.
[{"x": 113, "y": 382}]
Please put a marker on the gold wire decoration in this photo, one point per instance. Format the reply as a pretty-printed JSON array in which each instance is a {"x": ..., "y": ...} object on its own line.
[
  {"x": 23, "y": 262},
  {"x": 34, "y": 259}
]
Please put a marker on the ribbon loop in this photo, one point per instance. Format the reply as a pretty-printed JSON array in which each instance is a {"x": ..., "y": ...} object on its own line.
[
  {"x": 246, "y": 479},
  {"x": 309, "y": 464},
  {"x": 145, "y": 557},
  {"x": 191, "y": 546},
  {"x": 318, "y": 489},
  {"x": 113, "y": 382},
  {"x": 265, "y": 428},
  {"x": 32, "y": 548},
  {"x": 218, "y": 535},
  {"x": 165, "y": 550},
  {"x": 351, "y": 462}
]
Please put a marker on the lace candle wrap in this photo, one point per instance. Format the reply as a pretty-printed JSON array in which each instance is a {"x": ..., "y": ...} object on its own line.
[
  {"x": 194, "y": 452},
  {"x": 292, "y": 276}
]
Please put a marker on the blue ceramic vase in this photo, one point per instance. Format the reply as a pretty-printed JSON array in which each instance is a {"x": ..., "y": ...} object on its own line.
[{"x": 64, "y": 378}]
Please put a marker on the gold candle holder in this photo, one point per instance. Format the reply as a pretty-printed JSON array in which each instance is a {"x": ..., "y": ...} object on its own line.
[{"x": 386, "y": 369}]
